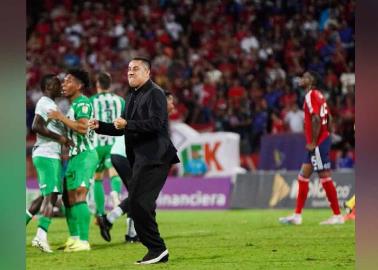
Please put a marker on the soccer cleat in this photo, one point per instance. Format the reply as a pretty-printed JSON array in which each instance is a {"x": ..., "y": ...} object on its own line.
[
  {"x": 350, "y": 216},
  {"x": 334, "y": 220},
  {"x": 41, "y": 244},
  {"x": 78, "y": 246},
  {"x": 105, "y": 227},
  {"x": 154, "y": 257},
  {"x": 348, "y": 210},
  {"x": 294, "y": 219},
  {"x": 70, "y": 241}
]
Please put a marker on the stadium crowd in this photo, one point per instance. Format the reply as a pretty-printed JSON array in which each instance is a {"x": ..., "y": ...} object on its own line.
[{"x": 233, "y": 65}]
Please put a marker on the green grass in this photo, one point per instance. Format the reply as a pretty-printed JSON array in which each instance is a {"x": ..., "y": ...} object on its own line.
[{"x": 237, "y": 239}]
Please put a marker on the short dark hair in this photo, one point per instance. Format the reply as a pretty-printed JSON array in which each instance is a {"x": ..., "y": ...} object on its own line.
[
  {"x": 105, "y": 80},
  {"x": 317, "y": 78},
  {"x": 145, "y": 61},
  {"x": 80, "y": 75},
  {"x": 45, "y": 79}
]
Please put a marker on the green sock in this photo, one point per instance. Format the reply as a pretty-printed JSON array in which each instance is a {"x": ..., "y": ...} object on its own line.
[
  {"x": 62, "y": 209},
  {"x": 116, "y": 184},
  {"x": 99, "y": 196},
  {"x": 44, "y": 222},
  {"x": 81, "y": 211},
  {"x": 71, "y": 222},
  {"x": 29, "y": 217}
]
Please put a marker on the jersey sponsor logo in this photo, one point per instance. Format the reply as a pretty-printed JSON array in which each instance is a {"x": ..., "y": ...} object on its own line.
[
  {"x": 316, "y": 190},
  {"x": 42, "y": 186},
  {"x": 194, "y": 199}
]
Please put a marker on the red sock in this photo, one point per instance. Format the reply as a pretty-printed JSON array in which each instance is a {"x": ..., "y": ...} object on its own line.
[
  {"x": 302, "y": 193},
  {"x": 330, "y": 190}
]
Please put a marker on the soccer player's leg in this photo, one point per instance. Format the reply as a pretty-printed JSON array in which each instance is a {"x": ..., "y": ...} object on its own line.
[
  {"x": 303, "y": 187},
  {"x": 49, "y": 177},
  {"x": 106, "y": 222},
  {"x": 98, "y": 189},
  {"x": 68, "y": 198},
  {"x": 33, "y": 208},
  {"x": 84, "y": 167},
  {"x": 116, "y": 186},
  {"x": 322, "y": 165},
  {"x": 115, "y": 180},
  {"x": 122, "y": 166}
]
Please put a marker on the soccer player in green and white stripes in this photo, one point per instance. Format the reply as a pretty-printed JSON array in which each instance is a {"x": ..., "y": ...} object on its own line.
[
  {"x": 83, "y": 158},
  {"x": 107, "y": 106}
]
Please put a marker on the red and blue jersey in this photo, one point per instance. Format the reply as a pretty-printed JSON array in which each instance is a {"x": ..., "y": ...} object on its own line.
[{"x": 315, "y": 103}]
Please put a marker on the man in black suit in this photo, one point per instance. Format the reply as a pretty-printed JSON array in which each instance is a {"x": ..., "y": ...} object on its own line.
[{"x": 149, "y": 151}]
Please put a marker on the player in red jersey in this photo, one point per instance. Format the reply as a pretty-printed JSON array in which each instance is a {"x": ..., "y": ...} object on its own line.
[{"x": 318, "y": 144}]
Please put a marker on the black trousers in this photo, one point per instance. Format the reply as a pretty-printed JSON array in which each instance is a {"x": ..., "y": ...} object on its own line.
[
  {"x": 122, "y": 166},
  {"x": 144, "y": 187}
]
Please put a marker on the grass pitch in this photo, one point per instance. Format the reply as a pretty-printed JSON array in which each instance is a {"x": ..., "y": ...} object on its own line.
[{"x": 236, "y": 239}]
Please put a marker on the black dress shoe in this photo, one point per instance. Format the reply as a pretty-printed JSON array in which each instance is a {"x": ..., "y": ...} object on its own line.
[
  {"x": 105, "y": 227},
  {"x": 130, "y": 239},
  {"x": 154, "y": 257}
]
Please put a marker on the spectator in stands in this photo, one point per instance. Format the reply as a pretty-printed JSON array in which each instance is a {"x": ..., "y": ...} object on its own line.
[
  {"x": 345, "y": 159},
  {"x": 294, "y": 119},
  {"x": 242, "y": 49}
]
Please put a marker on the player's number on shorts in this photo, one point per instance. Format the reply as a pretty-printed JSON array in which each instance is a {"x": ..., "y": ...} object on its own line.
[{"x": 323, "y": 113}]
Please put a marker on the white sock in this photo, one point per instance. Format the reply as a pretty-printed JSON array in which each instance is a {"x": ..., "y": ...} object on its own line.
[
  {"x": 130, "y": 228},
  {"x": 84, "y": 241},
  {"x": 76, "y": 237},
  {"x": 114, "y": 214},
  {"x": 41, "y": 234},
  {"x": 115, "y": 198},
  {"x": 297, "y": 215}
]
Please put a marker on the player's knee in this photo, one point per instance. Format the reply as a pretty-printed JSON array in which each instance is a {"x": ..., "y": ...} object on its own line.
[
  {"x": 98, "y": 176},
  {"x": 80, "y": 194},
  {"x": 112, "y": 172},
  {"x": 324, "y": 174},
  {"x": 71, "y": 196}
]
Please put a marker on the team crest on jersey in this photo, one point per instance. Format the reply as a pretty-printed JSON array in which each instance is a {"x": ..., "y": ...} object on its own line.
[{"x": 84, "y": 109}]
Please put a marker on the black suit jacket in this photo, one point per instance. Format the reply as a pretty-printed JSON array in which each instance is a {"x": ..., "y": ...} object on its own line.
[{"x": 146, "y": 133}]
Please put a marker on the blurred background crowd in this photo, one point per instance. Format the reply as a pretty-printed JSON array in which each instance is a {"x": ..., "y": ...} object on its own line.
[{"x": 232, "y": 65}]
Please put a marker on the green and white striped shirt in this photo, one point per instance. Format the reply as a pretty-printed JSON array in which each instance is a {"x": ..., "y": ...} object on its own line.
[
  {"x": 81, "y": 107},
  {"x": 106, "y": 108}
]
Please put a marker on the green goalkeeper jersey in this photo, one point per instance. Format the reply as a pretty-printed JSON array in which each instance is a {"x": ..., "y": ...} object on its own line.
[
  {"x": 106, "y": 108},
  {"x": 81, "y": 107}
]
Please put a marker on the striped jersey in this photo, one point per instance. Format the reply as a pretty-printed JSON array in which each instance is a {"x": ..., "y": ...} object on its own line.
[
  {"x": 106, "y": 108},
  {"x": 81, "y": 107}
]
